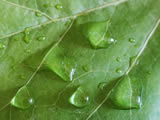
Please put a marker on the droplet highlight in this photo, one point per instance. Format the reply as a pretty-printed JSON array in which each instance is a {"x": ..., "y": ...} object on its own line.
[
  {"x": 79, "y": 98},
  {"x": 22, "y": 99},
  {"x": 125, "y": 95},
  {"x": 118, "y": 70}
]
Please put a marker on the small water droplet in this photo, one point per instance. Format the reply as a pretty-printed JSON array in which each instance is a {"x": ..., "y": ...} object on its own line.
[
  {"x": 2, "y": 46},
  {"x": 42, "y": 38},
  {"x": 118, "y": 70},
  {"x": 38, "y": 14},
  {"x": 118, "y": 59},
  {"x": 79, "y": 98},
  {"x": 125, "y": 95},
  {"x": 26, "y": 35},
  {"x": 59, "y": 6},
  {"x": 85, "y": 68},
  {"x": 131, "y": 40},
  {"x": 102, "y": 85},
  {"x": 22, "y": 99}
]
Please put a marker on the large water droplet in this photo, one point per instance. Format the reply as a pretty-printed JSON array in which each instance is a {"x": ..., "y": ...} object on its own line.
[
  {"x": 59, "y": 6},
  {"x": 79, "y": 98},
  {"x": 98, "y": 34},
  {"x": 22, "y": 99},
  {"x": 125, "y": 95}
]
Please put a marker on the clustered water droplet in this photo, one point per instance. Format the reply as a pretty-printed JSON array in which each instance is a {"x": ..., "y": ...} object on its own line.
[{"x": 79, "y": 98}]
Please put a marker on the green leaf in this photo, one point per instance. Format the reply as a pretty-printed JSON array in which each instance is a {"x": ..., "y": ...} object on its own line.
[{"x": 50, "y": 69}]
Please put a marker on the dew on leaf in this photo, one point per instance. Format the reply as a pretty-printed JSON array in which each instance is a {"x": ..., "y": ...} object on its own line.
[
  {"x": 42, "y": 38},
  {"x": 131, "y": 40},
  {"x": 22, "y": 99},
  {"x": 125, "y": 96},
  {"x": 102, "y": 85},
  {"x": 59, "y": 6},
  {"x": 79, "y": 98},
  {"x": 97, "y": 33}
]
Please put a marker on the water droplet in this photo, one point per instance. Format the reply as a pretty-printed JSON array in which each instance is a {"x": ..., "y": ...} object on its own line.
[
  {"x": 26, "y": 35},
  {"x": 42, "y": 38},
  {"x": 131, "y": 40},
  {"x": 125, "y": 96},
  {"x": 118, "y": 70},
  {"x": 118, "y": 59},
  {"x": 98, "y": 34},
  {"x": 2, "y": 46},
  {"x": 85, "y": 68},
  {"x": 38, "y": 14},
  {"x": 79, "y": 98},
  {"x": 59, "y": 6},
  {"x": 102, "y": 85},
  {"x": 22, "y": 99}
]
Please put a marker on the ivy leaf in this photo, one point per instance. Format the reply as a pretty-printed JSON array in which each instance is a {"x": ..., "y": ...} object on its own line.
[{"x": 79, "y": 59}]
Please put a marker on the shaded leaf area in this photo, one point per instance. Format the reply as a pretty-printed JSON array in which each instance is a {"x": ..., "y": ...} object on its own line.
[{"x": 46, "y": 66}]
